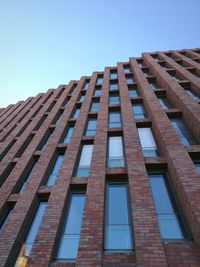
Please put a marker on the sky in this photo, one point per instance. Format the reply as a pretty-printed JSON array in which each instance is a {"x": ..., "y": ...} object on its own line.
[{"x": 44, "y": 43}]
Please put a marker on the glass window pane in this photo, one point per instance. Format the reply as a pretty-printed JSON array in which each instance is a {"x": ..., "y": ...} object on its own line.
[
  {"x": 114, "y": 86},
  {"x": 118, "y": 234},
  {"x": 85, "y": 160},
  {"x": 95, "y": 107},
  {"x": 115, "y": 157},
  {"x": 114, "y": 119},
  {"x": 5, "y": 217},
  {"x": 68, "y": 135},
  {"x": 97, "y": 92},
  {"x": 114, "y": 100},
  {"x": 68, "y": 248},
  {"x": 162, "y": 103},
  {"x": 35, "y": 227},
  {"x": 118, "y": 237},
  {"x": 170, "y": 227},
  {"x": 117, "y": 197},
  {"x": 138, "y": 111},
  {"x": 198, "y": 166},
  {"x": 76, "y": 113},
  {"x": 160, "y": 194},
  {"x": 146, "y": 138},
  {"x": 113, "y": 75},
  {"x": 132, "y": 92},
  {"x": 86, "y": 155},
  {"x": 182, "y": 132},
  {"x": 55, "y": 170}
]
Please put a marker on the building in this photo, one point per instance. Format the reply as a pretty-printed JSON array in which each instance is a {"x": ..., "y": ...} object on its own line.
[{"x": 105, "y": 171}]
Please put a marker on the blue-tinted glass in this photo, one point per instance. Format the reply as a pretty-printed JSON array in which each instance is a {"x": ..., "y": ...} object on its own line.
[
  {"x": 95, "y": 107},
  {"x": 153, "y": 86},
  {"x": 81, "y": 98},
  {"x": 55, "y": 170},
  {"x": 129, "y": 80},
  {"x": 117, "y": 204},
  {"x": 114, "y": 86},
  {"x": 114, "y": 100},
  {"x": 5, "y": 217},
  {"x": 118, "y": 237},
  {"x": 97, "y": 92},
  {"x": 182, "y": 132},
  {"x": 167, "y": 217},
  {"x": 138, "y": 111},
  {"x": 169, "y": 226},
  {"x": 127, "y": 69},
  {"x": 76, "y": 113},
  {"x": 86, "y": 85},
  {"x": 162, "y": 103},
  {"x": 34, "y": 228},
  {"x": 118, "y": 230},
  {"x": 27, "y": 177},
  {"x": 70, "y": 239},
  {"x": 91, "y": 127},
  {"x": 150, "y": 152},
  {"x": 113, "y": 75},
  {"x": 99, "y": 80},
  {"x": 83, "y": 171},
  {"x": 45, "y": 143},
  {"x": 68, "y": 135},
  {"x": 132, "y": 92},
  {"x": 114, "y": 119},
  {"x": 68, "y": 247},
  {"x": 160, "y": 194},
  {"x": 198, "y": 167}
]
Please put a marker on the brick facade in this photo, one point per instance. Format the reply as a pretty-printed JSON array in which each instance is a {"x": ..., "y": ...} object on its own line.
[{"x": 25, "y": 125}]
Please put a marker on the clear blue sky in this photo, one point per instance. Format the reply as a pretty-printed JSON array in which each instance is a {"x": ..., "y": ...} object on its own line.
[{"x": 44, "y": 43}]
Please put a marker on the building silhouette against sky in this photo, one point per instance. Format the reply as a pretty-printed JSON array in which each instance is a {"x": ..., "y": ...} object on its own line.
[{"x": 105, "y": 171}]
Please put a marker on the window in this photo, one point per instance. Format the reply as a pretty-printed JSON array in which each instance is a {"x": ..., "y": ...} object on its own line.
[
  {"x": 68, "y": 135},
  {"x": 27, "y": 176},
  {"x": 85, "y": 161},
  {"x": 29, "y": 241},
  {"x": 190, "y": 93},
  {"x": 115, "y": 152},
  {"x": 91, "y": 127},
  {"x": 46, "y": 141},
  {"x": 146, "y": 73},
  {"x": 97, "y": 92},
  {"x": 127, "y": 69},
  {"x": 76, "y": 113},
  {"x": 57, "y": 119},
  {"x": 114, "y": 119},
  {"x": 153, "y": 85},
  {"x": 170, "y": 219},
  {"x": 113, "y": 75},
  {"x": 141, "y": 64},
  {"x": 148, "y": 144},
  {"x": 114, "y": 100},
  {"x": 95, "y": 107},
  {"x": 55, "y": 169},
  {"x": 81, "y": 98},
  {"x": 175, "y": 77},
  {"x": 114, "y": 86},
  {"x": 138, "y": 111},
  {"x": 118, "y": 233},
  {"x": 4, "y": 218},
  {"x": 197, "y": 164},
  {"x": 129, "y": 80},
  {"x": 132, "y": 92},
  {"x": 86, "y": 84},
  {"x": 163, "y": 103},
  {"x": 182, "y": 132},
  {"x": 99, "y": 80},
  {"x": 69, "y": 242}
]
